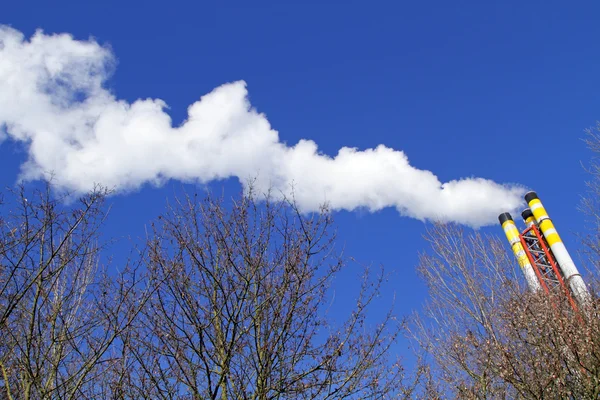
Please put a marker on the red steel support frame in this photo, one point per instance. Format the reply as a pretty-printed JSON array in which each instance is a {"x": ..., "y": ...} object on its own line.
[{"x": 537, "y": 251}]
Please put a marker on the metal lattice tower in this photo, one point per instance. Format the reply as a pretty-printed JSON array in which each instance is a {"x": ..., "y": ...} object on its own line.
[{"x": 541, "y": 259}]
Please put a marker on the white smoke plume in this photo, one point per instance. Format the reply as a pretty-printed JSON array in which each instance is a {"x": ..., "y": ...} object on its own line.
[{"x": 53, "y": 100}]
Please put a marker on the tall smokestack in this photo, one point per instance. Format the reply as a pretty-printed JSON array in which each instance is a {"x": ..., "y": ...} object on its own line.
[
  {"x": 528, "y": 217},
  {"x": 512, "y": 234},
  {"x": 565, "y": 262}
]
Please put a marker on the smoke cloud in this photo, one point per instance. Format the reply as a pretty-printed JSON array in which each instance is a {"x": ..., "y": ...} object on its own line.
[{"x": 53, "y": 100}]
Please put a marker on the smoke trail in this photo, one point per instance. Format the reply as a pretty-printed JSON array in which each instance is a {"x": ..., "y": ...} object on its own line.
[{"x": 52, "y": 99}]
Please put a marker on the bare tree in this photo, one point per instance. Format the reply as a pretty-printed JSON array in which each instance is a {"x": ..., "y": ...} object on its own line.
[
  {"x": 60, "y": 313},
  {"x": 488, "y": 337},
  {"x": 240, "y": 312},
  {"x": 590, "y": 204}
]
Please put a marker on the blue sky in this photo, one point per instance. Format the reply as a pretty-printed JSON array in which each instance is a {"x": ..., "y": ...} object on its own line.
[{"x": 465, "y": 89}]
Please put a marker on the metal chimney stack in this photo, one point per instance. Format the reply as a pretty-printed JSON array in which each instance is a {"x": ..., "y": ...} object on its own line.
[
  {"x": 562, "y": 256},
  {"x": 528, "y": 217},
  {"x": 514, "y": 238}
]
